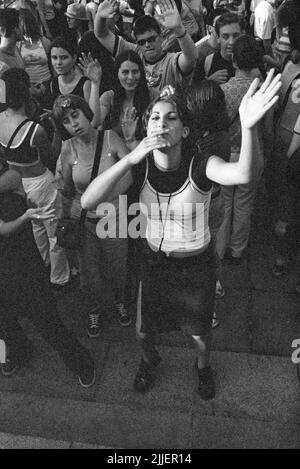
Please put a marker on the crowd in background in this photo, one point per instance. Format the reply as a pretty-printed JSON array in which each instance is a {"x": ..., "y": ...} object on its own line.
[{"x": 90, "y": 95}]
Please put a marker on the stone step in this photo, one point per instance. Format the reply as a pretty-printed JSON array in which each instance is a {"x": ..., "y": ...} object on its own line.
[
  {"x": 257, "y": 401},
  {"x": 58, "y": 423}
]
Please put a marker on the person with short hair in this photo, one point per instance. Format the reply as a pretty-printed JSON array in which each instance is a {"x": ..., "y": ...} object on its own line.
[
  {"x": 10, "y": 34},
  {"x": 77, "y": 20},
  {"x": 218, "y": 66},
  {"x": 209, "y": 44},
  {"x": 264, "y": 24},
  {"x": 161, "y": 68},
  {"x": 233, "y": 235},
  {"x": 102, "y": 260}
]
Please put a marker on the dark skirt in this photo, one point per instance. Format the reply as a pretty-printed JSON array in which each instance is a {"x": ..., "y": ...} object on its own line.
[{"x": 176, "y": 293}]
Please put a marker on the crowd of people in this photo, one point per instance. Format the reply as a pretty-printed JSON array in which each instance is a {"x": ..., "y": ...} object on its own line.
[{"x": 151, "y": 123}]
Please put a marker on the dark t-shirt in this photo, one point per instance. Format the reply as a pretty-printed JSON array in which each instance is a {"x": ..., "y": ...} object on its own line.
[
  {"x": 18, "y": 251},
  {"x": 218, "y": 63}
]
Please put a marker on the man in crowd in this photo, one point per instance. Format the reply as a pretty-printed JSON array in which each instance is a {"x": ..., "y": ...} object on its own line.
[
  {"x": 9, "y": 34},
  {"x": 161, "y": 68},
  {"x": 218, "y": 66},
  {"x": 210, "y": 44},
  {"x": 264, "y": 24}
]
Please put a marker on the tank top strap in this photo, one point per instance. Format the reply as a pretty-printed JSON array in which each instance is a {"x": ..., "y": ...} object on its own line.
[
  {"x": 55, "y": 87},
  {"x": 78, "y": 90},
  {"x": 15, "y": 132}
]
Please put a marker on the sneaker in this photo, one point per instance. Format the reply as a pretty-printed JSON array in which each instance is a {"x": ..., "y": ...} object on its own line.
[
  {"x": 145, "y": 375},
  {"x": 9, "y": 367},
  {"x": 87, "y": 376},
  {"x": 123, "y": 317},
  {"x": 93, "y": 329},
  {"x": 278, "y": 270},
  {"x": 220, "y": 291},
  {"x": 206, "y": 385},
  {"x": 215, "y": 321}
]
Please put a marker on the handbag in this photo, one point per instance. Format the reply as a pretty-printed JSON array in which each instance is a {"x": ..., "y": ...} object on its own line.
[{"x": 69, "y": 231}]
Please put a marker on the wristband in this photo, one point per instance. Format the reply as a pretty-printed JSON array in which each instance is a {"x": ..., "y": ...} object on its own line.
[{"x": 182, "y": 35}]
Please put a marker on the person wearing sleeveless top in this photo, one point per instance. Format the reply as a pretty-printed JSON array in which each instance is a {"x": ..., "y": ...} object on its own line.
[
  {"x": 25, "y": 287},
  {"x": 26, "y": 148},
  {"x": 34, "y": 49},
  {"x": 102, "y": 260},
  {"x": 174, "y": 185},
  {"x": 68, "y": 77}
]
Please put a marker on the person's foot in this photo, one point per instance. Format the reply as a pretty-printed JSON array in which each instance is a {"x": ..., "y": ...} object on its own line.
[
  {"x": 123, "y": 316},
  {"x": 87, "y": 376},
  {"x": 220, "y": 291},
  {"x": 230, "y": 259},
  {"x": 206, "y": 384},
  {"x": 215, "y": 321},
  {"x": 145, "y": 375},
  {"x": 93, "y": 329},
  {"x": 278, "y": 269},
  {"x": 9, "y": 367}
]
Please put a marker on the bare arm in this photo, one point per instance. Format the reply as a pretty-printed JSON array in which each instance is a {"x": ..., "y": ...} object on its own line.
[
  {"x": 102, "y": 187},
  {"x": 43, "y": 145},
  {"x": 92, "y": 70},
  {"x": 254, "y": 106},
  {"x": 15, "y": 226},
  {"x": 170, "y": 19},
  {"x": 106, "y": 11}
]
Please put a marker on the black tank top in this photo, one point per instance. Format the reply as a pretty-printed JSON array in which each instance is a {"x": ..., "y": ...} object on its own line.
[
  {"x": 22, "y": 154},
  {"x": 78, "y": 90}
]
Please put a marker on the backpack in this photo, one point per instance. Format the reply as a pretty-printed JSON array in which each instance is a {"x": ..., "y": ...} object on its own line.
[{"x": 289, "y": 109}]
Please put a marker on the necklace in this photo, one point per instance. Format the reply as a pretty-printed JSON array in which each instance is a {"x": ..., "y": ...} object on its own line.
[{"x": 163, "y": 223}]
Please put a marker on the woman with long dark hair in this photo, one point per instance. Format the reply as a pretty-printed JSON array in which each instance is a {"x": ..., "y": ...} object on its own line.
[
  {"x": 177, "y": 285},
  {"x": 29, "y": 153},
  {"x": 34, "y": 48},
  {"x": 129, "y": 95}
]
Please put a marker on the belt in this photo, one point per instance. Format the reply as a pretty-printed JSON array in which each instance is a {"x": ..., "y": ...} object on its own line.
[{"x": 93, "y": 220}]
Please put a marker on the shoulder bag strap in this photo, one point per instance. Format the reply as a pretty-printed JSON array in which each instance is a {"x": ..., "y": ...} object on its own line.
[
  {"x": 15, "y": 132},
  {"x": 95, "y": 169}
]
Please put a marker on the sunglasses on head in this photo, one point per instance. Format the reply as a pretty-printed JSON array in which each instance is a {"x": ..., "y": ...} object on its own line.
[
  {"x": 149, "y": 39},
  {"x": 64, "y": 103}
]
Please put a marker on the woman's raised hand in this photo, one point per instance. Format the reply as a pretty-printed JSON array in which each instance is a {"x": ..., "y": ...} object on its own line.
[
  {"x": 129, "y": 123},
  {"x": 90, "y": 67},
  {"x": 258, "y": 100},
  {"x": 155, "y": 142}
]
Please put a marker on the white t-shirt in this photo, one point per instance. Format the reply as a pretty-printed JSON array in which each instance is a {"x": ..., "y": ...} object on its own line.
[{"x": 264, "y": 20}]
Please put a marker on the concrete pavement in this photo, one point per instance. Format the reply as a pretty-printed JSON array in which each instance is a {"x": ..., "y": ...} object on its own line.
[{"x": 258, "y": 396}]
